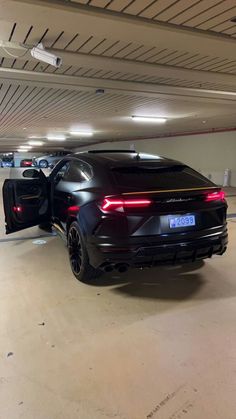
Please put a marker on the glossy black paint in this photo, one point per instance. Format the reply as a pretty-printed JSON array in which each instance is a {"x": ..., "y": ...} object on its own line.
[{"x": 136, "y": 237}]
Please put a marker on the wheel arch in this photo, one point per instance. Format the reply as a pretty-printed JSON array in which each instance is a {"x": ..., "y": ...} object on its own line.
[{"x": 70, "y": 220}]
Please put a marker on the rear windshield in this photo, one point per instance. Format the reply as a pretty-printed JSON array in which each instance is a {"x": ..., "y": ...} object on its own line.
[{"x": 151, "y": 177}]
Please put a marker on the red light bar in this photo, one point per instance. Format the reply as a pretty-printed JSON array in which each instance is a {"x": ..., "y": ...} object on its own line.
[
  {"x": 215, "y": 196},
  {"x": 114, "y": 203},
  {"x": 17, "y": 209},
  {"x": 73, "y": 209}
]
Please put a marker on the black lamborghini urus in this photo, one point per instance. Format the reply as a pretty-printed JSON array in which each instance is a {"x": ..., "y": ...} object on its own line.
[{"x": 119, "y": 209}]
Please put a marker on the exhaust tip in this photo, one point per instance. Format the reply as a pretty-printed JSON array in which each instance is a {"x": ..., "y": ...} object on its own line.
[
  {"x": 108, "y": 268},
  {"x": 122, "y": 267}
]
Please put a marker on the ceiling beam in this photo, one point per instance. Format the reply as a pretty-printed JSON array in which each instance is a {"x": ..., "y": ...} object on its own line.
[
  {"x": 117, "y": 26},
  {"x": 75, "y": 59},
  {"x": 112, "y": 86}
]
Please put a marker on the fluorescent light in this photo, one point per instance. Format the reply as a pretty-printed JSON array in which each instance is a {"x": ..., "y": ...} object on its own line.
[
  {"x": 36, "y": 143},
  {"x": 21, "y": 150},
  {"x": 56, "y": 137},
  {"x": 82, "y": 133},
  {"x": 151, "y": 119},
  {"x": 25, "y": 147}
]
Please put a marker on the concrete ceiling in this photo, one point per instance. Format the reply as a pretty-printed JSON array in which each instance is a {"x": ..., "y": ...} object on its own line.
[{"x": 169, "y": 58}]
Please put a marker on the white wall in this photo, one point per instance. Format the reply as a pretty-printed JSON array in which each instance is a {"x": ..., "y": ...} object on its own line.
[{"x": 210, "y": 154}]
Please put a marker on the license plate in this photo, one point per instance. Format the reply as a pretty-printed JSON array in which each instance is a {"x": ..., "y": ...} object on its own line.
[{"x": 183, "y": 221}]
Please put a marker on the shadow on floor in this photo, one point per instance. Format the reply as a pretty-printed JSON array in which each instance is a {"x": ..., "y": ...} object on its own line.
[{"x": 165, "y": 283}]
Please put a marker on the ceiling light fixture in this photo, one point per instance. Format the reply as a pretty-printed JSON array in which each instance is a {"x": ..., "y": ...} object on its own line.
[
  {"x": 56, "y": 137},
  {"x": 149, "y": 119},
  {"x": 36, "y": 143},
  {"x": 82, "y": 133},
  {"x": 22, "y": 150},
  {"x": 25, "y": 147}
]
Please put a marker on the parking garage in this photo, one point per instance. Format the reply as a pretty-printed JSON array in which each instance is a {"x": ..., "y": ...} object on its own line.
[{"x": 114, "y": 89}]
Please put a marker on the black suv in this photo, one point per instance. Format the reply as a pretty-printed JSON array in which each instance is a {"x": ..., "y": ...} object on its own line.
[{"x": 120, "y": 209}]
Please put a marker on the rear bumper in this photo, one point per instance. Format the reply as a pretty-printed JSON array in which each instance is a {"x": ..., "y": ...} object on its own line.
[{"x": 157, "y": 250}]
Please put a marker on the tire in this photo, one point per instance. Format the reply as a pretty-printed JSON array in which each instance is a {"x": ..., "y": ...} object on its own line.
[
  {"x": 78, "y": 255},
  {"x": 43, "y": 164}
]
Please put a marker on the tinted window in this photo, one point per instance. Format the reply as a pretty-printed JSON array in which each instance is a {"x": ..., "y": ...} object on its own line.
[
  {"x": 78, "y": 171},
  {"x": 149, "y": 176},
  {"x": 59, "y": 175}
]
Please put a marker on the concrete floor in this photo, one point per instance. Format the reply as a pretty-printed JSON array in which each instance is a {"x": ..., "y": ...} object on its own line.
[{"x": 153, "y": 344}]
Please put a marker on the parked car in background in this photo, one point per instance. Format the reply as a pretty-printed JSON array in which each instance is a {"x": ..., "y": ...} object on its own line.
[
  {"x": 7, "y": 162},
  {"x": 120, "y": 209},
  {"x": 26, "y": 163},
  {"x": 44, "y": 161}
]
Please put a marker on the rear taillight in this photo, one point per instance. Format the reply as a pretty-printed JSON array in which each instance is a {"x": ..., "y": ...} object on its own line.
[
  {"x": 215, "y": 196},
  {"x": 73, "y": 209},
  {"x": 17, "y": 209},
  {"x": 119, "y": 204}
]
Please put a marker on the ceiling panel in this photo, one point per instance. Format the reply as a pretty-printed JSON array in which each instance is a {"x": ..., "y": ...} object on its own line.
[
  {"x": 156, "y": 8},
  {"x": 224, "y": 27},
  {"x": 127, "y": 50},
  {"x": 138, "y": 6},
  {"x": 231, "y": 30},
  {"x": 169, "y": 59},
  {"x": 149, "y": 54},
  {"x": 6, "y": 29},
  {"x": 221, "y": 17},
  {"x": 195, "y": 10},
  {"x": 182, "y": 59},
  {"x": 214, "y": 15},
  {"x": 38, "y": 107},
  {"x": 104, "y": 46},
  {"x": 91, "y": 44},
  {"x": 174, "y": 10},
  {"x": 160, "y": 55},
  {"x": 81, "y": 1},
  {"x": 115, "y": 48},
  {"x": 139, "y": 52},
  {"x": 118, "y": 5},
  {"x": 35, "y": 110},
  {"x": 211, "y": 13},
  {"x": 99, "y": 3}
]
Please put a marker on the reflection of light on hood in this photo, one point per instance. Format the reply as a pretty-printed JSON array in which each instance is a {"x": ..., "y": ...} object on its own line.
[
  {"x": 86, "y": 177},
  {"x": 150, "y": 156}
]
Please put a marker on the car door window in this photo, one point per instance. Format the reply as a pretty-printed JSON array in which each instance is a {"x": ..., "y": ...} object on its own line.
[
  {"x": 78, "y": 171},
  {"x": 61, "y": 172}
]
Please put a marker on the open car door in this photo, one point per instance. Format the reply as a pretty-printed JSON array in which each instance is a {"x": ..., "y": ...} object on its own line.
[{"x": 26, "y": 203}]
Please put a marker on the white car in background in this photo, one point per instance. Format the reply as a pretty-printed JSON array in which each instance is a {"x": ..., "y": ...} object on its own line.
[{"x": 49, "y": 159}]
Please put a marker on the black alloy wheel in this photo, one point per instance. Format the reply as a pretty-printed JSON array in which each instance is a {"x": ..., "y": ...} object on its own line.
[
  {"x": 78, "y": 255},
  {"x": 75, "y": 251}
]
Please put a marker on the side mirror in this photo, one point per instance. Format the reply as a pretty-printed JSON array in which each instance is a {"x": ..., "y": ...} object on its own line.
[{"x": 31, "y": 173}]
